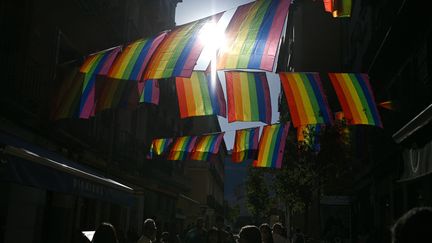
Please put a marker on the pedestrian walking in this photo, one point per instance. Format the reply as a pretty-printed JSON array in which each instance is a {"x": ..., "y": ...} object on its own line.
[
  {"x": 149, "y": 232},
  {"x": 414, "y": 226},
  {"x": 105, "y": 233},
  {"x": 250, "y": 234}
]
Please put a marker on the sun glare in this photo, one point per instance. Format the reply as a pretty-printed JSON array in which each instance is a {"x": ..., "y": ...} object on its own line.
[{"x": 213, "y": 38}]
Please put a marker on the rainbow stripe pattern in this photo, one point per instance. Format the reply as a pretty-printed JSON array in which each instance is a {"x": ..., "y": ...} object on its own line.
[
  {"x": 178, "y": 53},
  {"x": 245, "y": 144},
  {"x": 248, "y": 97},
  {"x": 206, "y": 146},
  {"x": 149, "y": 91},
  {"x": 217, "y": 96},
  {"x": 356, "y": 98},
  {"x": 272, "y": 146},
  {"x": 132, "y": 61},
  {"x": 328, "y": 5},
  {"x": 197, "y": 98},
  {"x": 306, "y": 99},
  {"x": 341, "y": 8},
  {"x": 112, "y": 93},
  {"x": 253, "y": 35},
  {"x": 97, "y": 64},
  {"x": 66, "y": 102},
  {"x": 182, "y": 147},
  {"x": 159, "y": 146}
]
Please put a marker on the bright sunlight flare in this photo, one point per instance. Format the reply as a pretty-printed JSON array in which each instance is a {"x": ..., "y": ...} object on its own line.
[{"x": 213, "y": 38}]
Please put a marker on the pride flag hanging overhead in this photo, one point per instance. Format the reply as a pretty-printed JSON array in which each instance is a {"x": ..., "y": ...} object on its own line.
[
  {"x": 114, "y": 93},
  {"x": 253, "y": 35},
  {"x": 328, "y": 5},
  {"x": 206, "y": 146},
  {"x": 356, "y": 98},
  {"x": 245, "y": 144},
  {"x": 248, "y": 97},
  {"x": 272, "y": 146},
  {"x": 96, "y": 64},
  {"x": 178, "y": 53},
  {"x": 342, "y": 8},
  {"x": 67, "y": 100},
  {"x": 159, "y": 147},
  {"x": 132, "y": 61},
  {"x": 149, "y": 91},
  {"x": 182, "y": 148},
  {"x": 306, "y": 99},
  {"x": 197, "y": 97}
]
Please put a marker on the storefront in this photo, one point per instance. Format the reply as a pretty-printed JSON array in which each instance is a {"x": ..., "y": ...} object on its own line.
[{"x": 46, "y": 198}]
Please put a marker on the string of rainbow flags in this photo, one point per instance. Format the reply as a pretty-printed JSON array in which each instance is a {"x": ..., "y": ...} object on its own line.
[
  {"x": 252, "y": 41},
  {"x": 126, "y": 76}
]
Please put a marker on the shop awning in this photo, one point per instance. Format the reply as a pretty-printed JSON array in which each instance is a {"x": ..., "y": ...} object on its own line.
[
  {"x": 417, "y": 162},
  {"x": 27, "y": 164},
  {"x": 416, "y": 137}
]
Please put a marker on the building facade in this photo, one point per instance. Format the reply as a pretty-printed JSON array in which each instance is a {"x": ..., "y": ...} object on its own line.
[{"x": 81, "y": 172}]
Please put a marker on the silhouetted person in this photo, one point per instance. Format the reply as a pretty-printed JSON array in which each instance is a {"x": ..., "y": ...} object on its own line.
[
  {"x": 197, "y": 234},
  {"x": 278, "y": 234},
  {"x": 149, "y": 232},
  {"x": 415, "y": 226},
  {"x": 105, "y": 233},
  {"x": 164, "y": 237},
  {"x": 249, "y": 234},
  {"x": 266, "y": 233}
]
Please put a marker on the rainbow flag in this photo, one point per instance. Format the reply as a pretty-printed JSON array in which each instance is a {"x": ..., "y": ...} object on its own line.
[
  {"x": 206, "y": 146},
  {"x": 149, "y": 91},
  {"x": 182, "y": 147},
  {"x": 306, "y": 99},
  {"x": 197, "y": 97},
  {"x": 113, "y": 93},
  {"x": 96, "y": 64},
  {"x": 272, "y": 146},
  {"x": 341, "y": 8},
  {"x": 67, "y": 99},
  {"x": 389, "y": 105},
  {"x": 253, "y": 35},
  {"x": 132, "y": 61},
  {"x": 328, "y": 5},
  {"x": 159, "y": 147},
  {"x": 245, "y": 144},
  {"x": 248, "y": 97},
  {"x": 217, "y": 96},
  {"x": 356, "y": 98},
  {"x": 178, "y": 53}
]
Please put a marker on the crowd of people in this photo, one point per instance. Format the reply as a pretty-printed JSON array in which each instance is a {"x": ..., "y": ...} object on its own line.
[{"x": 413, "y": 226}]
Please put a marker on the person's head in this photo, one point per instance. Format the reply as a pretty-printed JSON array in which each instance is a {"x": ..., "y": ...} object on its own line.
[
  {"x": 249, "y": 234},
  {"x": 266, "y": 234},
  {"x": 414, "y": 226},
  {"x": 164, "y": 237},
  {"x": 150, "y": 229},
  {"x": 219, "y": 222},
  {"x": 105, "y": 233},
  {"x": 278, "y": 229}
]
